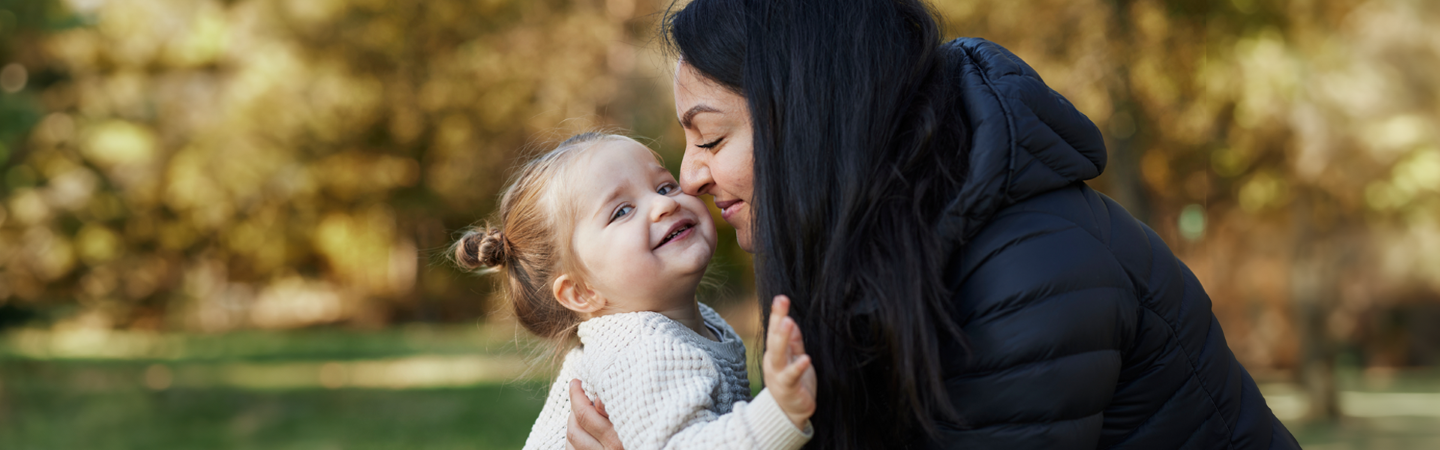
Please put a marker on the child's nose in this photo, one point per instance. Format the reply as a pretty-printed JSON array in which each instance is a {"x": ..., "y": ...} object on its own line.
[{"x": 664, "y": 205}]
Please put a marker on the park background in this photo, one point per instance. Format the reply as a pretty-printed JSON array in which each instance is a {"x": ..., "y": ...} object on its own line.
[{"x": 223, "y": 223}]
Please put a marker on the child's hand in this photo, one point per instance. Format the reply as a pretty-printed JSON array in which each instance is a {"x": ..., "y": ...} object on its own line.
[{"x": 788, "y": 373}]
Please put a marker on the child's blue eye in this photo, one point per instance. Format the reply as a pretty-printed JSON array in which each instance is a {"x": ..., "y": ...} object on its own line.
[
  {"x": 622, "y": 212},
  {"x": 666, "y": 189}
]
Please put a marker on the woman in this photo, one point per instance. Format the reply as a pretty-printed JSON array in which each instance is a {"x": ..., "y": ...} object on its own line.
[{"x": 923, "y": 206}]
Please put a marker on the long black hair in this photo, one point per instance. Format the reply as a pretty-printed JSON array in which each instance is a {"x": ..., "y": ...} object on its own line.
[{"x": 859, "y": 145}]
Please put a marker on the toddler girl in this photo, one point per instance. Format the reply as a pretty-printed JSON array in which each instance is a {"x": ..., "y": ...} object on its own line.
[{"x": 603, "y": 252}]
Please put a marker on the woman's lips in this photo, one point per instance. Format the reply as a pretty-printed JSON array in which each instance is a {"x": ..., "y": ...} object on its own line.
[{"x": 728, "y": 208}]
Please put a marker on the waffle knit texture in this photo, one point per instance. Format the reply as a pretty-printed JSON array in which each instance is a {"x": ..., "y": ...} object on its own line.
[{"x": 666, "y": 387}]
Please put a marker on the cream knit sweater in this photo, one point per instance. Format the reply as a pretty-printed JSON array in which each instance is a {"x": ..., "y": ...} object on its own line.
[{"x": 666, "y": 387}]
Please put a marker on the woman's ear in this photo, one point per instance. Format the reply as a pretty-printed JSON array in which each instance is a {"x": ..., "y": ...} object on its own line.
[{"x": 576, "y": 297}]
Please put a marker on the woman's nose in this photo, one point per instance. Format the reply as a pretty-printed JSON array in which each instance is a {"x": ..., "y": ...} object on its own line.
[{"x": 695, "y": 174}]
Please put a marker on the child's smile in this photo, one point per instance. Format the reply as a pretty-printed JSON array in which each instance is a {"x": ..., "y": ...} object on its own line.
[{"x": 680, "y": 230}]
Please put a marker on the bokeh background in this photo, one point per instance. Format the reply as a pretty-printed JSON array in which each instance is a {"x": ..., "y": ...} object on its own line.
[{"x": 223, "y": 222}]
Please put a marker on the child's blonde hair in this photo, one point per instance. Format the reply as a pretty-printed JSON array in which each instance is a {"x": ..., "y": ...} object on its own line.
[{"x": 531, "y": 242}]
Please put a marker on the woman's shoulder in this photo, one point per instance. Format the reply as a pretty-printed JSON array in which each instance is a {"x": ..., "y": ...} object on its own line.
[{"x": 1073, "y": 216}]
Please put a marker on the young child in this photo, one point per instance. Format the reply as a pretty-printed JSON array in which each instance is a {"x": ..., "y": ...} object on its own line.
[{"x": 600, "y": 246}]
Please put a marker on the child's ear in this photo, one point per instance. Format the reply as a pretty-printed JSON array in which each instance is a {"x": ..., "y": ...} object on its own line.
[{"x": 576, "y": 297}]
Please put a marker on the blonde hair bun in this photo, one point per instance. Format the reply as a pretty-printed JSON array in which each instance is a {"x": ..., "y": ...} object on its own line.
[{"x": 481, "y": 248}]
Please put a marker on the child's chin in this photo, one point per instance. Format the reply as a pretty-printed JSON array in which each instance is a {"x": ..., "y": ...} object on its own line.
[
  {"x": 702, "y": 246},
  {"x": 694, "y": 261}
]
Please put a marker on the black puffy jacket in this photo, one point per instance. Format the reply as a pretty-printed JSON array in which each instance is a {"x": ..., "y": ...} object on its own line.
[{"x": 1084, "y": 331}]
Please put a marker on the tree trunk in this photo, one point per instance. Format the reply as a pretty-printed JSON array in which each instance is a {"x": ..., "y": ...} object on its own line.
[
  {"x": 1126, "y": 128},
  {"x": 1313, "y": 289}
]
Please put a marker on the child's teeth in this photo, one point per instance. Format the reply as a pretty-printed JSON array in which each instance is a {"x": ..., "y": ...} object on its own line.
[{"x": 676, "y": 233}]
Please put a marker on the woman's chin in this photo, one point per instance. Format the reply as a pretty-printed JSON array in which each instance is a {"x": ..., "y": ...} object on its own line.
[
  {"x": 743, "y": 239},
  {"x": 740, "y": 222}
]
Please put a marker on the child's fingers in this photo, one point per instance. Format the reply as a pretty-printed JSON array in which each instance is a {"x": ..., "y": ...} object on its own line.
[
  {"x": 796, "y": 342},
  {"x": 791, "y": 375},
  {"x": 779, "y": 309},
  {"x": 777, "y": 336},
  {"x": 776, "y": 347}
]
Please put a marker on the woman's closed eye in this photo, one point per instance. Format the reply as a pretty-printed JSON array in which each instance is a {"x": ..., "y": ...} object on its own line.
[{"x": 711, "y": 144}]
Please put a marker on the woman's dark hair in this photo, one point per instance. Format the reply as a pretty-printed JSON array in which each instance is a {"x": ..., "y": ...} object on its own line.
[{"x": 859, "y": 145}]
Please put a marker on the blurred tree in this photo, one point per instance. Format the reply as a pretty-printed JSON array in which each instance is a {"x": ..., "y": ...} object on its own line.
[
  {"x": 212, "y": 165},
  {"x": 22, "y": 25}
]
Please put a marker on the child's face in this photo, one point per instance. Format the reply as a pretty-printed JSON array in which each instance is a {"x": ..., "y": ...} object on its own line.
[{"x": 644, "y": 242}]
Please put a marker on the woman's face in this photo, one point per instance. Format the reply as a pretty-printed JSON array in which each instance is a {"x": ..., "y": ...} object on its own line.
[{"x": 719, "y": 147}]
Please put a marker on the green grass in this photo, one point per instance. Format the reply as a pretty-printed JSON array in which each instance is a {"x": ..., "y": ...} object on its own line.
[
  {"x": 1394, "y": 433},
  {"x": 99, "y": 400},
  {"x": 483, "y": 417},
  {"x": 1375, "y": 433},
  {"x": 52, "y": 401},
  {"x": 312, "y": 344}
]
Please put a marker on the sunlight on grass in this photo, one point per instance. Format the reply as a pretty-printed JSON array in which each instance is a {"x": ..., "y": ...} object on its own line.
[
  {"x": 90, "y": 343},
  {"x": 415, "y": 387},
  {"x": 428, "y": 371},
  {"x": 1289, "y": 403},
  {"x": 1381, "y": 410},
  {"x": 425, "y": 387}
]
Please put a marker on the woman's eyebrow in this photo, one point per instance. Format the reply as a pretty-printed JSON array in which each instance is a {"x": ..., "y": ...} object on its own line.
[{"x": 686, "y": 119}]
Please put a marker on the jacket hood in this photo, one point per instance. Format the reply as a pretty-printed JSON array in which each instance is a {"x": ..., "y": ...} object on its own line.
[{"x": 1025, "y": 139}]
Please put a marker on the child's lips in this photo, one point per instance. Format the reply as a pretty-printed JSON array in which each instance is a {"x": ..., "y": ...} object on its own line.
[
  {"x": 682, "y": 235},
  {"x": 679, "y": 230}
]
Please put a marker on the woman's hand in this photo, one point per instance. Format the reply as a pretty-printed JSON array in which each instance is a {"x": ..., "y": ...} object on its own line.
[
  {"x": 589, "y": 427},
  {"x": 788, "y": 373}
]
